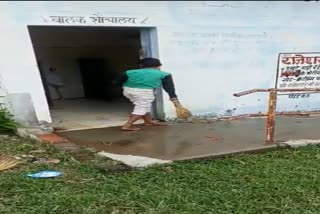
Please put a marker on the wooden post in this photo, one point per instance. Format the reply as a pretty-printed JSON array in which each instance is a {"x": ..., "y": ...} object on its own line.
[{"x": 271, "y": 116}]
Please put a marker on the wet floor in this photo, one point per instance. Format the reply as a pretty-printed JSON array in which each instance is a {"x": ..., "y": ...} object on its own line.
[{"x": 186, "y": 140}]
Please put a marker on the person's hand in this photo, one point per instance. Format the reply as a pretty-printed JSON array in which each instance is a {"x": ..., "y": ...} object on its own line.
[{"x": 175, "y": 101}]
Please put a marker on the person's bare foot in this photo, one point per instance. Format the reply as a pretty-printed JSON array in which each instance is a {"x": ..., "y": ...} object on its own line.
[{"x": 130, "y": 128}]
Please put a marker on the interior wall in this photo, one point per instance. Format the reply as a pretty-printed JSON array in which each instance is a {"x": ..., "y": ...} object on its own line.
[{"x": 65, "y": 61}]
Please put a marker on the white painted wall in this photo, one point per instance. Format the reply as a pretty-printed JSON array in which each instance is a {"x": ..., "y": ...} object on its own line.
[
  {"x": 213, "y": 49},
  {"x": 3, "y": 91}
]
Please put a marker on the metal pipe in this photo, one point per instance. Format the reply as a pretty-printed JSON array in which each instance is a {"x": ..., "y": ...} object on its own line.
[
  {"x": 271, "y": 115},
  {"x": 271, "y": 118},
  {"x": 277, "y": 90}
]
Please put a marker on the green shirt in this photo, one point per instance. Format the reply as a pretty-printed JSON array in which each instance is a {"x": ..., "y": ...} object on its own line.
[{"x": 146, "y": 78}]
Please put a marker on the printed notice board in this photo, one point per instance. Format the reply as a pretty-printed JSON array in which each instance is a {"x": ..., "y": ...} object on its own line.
[{"x": 298, "y": 71}]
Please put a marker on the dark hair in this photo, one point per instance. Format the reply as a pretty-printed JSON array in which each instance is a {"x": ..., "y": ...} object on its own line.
[
  {"x": 52, "y": 69},
  {"x": 149, "y": 63}
]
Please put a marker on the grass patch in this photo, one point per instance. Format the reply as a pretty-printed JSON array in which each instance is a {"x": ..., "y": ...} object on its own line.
[{"x": 285, "y": 181}]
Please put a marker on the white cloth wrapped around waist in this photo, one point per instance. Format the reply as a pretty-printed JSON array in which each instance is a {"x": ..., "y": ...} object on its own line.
[{"x": 141, "y": 98}]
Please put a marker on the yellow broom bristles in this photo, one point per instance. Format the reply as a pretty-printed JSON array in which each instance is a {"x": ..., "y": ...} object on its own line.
[
  {"x": 8, "y": 163},
  {"x": 182, "y": 112}
]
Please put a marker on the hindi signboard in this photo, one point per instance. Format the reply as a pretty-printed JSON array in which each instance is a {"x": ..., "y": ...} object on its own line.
[
  {"x": 298, "y": 71},
  {"x": 95, "y": 19}
]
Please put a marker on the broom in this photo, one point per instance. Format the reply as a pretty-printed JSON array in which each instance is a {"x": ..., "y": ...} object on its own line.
[
  {"x": 8, "y": 163},
  {"x": 182, "y": 112}
]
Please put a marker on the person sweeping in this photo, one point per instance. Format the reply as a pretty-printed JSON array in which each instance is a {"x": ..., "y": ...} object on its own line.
[{"x": 139, "y": 87}]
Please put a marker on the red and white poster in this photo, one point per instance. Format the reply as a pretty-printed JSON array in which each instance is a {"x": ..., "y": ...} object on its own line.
[{"x": 298, "y": 71}]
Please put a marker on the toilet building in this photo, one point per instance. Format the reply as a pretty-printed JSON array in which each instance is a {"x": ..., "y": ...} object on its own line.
[{"x": 213, "y": 49}]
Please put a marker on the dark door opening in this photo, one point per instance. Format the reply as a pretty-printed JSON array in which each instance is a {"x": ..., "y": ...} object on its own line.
[{"x": 97, "y": 78}]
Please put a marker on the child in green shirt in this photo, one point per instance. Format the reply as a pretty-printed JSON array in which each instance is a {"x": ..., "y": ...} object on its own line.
[{"x": 139, "y": 87}]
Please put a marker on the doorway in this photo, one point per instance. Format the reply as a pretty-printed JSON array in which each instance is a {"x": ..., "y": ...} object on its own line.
[{"x": 88, "y": 61}]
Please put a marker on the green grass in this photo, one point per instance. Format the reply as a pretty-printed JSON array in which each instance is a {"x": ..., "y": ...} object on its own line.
[{"x": 286, "y": 181}]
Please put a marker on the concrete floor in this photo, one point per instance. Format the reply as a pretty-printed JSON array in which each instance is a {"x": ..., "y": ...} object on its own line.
[
  {"x": 187, "y": 141},
  {"x": 83, "y": 114}
]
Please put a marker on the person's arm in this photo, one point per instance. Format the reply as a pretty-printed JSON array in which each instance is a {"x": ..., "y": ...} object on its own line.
[
  {"x": 122, "y": 79},
  {"x": 168, "y": 86}
]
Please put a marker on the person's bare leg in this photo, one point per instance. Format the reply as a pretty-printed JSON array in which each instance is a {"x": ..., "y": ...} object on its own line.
[
  {"x": 149, "y": 122},
  {"x": 147, "y": 118},
  {"x": 58, "y": 90},
  {"x": 128, "y": 126}
]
